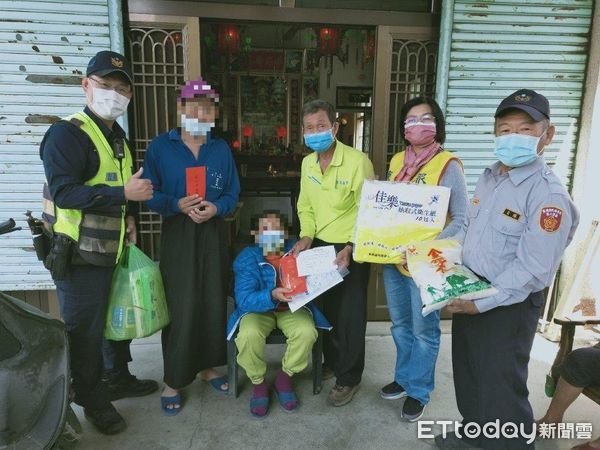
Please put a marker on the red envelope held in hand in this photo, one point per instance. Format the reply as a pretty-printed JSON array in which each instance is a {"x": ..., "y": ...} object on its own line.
[
  {"x": 289, "y": 276},
  {"x": 195, "y": 181}
]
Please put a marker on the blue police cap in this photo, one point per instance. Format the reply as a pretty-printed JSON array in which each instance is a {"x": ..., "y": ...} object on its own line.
[{"x": 534, "y": 104}]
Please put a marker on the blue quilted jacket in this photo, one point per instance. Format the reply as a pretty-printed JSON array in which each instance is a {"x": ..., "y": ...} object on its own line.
[{"x": 255, "y": 278}]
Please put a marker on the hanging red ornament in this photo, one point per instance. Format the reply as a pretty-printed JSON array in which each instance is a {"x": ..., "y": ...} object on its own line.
[
  {"x": 281, "y": 132},
  {"x": 328, "y": 42},
  {"x": 228, "y": 39},
  {"x": 247, "y": 131}
]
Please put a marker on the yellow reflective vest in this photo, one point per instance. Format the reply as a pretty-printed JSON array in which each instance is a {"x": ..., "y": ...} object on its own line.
[
  {"x": 431, "y": 173},
  {"x": 99, "y": 235}
]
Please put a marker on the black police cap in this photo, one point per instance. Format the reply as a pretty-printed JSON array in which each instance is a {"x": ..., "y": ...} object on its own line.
[
  {"x": 106, "y": 62},
  {"x": 534, "y": 104}
]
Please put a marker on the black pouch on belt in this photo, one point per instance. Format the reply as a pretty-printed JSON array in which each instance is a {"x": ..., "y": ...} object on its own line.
[
  {"x": 42, "y": 239},
  {"x": 59, "y": 257}
]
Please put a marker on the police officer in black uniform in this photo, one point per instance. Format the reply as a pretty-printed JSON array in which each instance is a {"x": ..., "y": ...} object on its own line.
[{"x": 75, "y": 151}]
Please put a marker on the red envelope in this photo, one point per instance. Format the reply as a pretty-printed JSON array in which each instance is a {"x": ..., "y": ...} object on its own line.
[
  {"x": 289, "y": 276},
  {"x": 195, "y": 181}
]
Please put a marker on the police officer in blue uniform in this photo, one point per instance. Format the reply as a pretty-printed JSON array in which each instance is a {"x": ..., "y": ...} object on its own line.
[
  {"x": 83, "y": 279},
  {"x": 520, "y": 221}
]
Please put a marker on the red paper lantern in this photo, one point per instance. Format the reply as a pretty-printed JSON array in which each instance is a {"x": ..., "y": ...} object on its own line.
[
  {"x": 328, "y": 41},
  {"x": 236, "y": 144},
  {"x": 247, "y": 131},
  {"x": 370, "y": 46},
  {"x": 228, "y": 39},
  {"x": 281, "y": 132}
]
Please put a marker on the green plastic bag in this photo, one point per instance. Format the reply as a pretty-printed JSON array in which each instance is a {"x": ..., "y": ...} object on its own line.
[{"x": 136, "y": 307}]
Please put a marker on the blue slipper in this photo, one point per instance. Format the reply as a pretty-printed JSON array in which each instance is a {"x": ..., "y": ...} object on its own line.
[
  {"x": 216, "y": 383},
  {"x": 258, "y": 402},
  {"x": 170, "y": 401},
  {"x": 287, "y": 397}
]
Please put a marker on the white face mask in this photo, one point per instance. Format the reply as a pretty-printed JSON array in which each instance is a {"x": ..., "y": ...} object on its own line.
[
  {"x": 194, "y": 127},
  {"x": 108, "y": 104}
]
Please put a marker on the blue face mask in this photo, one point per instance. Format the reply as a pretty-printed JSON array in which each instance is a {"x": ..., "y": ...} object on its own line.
[
  {"x": 271, "y": 241},
  {"x": 319, "y": 142},
  {"x": 516, "y": 150}
]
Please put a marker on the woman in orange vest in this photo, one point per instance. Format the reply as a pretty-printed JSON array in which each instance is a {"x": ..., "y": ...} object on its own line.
[{"x": 417, "y": 338}]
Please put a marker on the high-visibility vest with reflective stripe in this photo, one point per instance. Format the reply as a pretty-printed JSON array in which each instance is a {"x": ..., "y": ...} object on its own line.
[
  {"x": 99, "y": 234},
  {"x": 430, "y": 173}
]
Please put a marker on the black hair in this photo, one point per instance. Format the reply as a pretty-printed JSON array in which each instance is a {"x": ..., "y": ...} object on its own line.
[
  {"x": 282, "y": 218},
  {"x": 316, "y": 105},
  {"x": 440, "y": 122}
]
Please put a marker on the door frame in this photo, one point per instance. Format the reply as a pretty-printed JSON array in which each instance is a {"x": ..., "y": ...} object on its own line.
[
  {"x": 376, "y": 302},
  {"x": 190, "y": 29},
  {"x": 385, "y": 34},
  {"x": 262, "y": 13},
  {"x": 381, "y": 86}
]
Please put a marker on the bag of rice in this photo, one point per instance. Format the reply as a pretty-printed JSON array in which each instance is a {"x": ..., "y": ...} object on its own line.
[{"x": 437, "y": 270}]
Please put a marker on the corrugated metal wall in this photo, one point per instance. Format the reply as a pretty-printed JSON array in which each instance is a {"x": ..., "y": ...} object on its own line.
[
  {"x": 497, "y": 47},
  {"x": 44, "y": 49}
]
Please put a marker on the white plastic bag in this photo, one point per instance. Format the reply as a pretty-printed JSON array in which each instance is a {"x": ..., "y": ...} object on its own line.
[{"x": 437, "y": 270}]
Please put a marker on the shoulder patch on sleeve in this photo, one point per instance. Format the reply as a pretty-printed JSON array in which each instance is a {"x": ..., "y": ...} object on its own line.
[{"x": 550, "y": 218}]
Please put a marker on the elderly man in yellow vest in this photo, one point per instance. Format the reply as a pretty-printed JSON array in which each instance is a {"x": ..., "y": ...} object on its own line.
[{"x": 88, "y": 166}]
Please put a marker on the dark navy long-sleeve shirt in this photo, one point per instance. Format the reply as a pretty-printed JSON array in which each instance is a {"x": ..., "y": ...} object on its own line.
[
  {"x": 70, "y": 159},
  {"x": 166, "y": 159}
]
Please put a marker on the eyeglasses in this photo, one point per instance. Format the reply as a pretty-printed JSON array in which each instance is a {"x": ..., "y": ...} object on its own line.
[
  {"x": 425, "y": 119},
  {"x": 121, "y": 89}
]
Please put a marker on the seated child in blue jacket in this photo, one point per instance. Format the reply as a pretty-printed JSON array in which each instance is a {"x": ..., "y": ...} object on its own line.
[{"x": 262, "y": 306}]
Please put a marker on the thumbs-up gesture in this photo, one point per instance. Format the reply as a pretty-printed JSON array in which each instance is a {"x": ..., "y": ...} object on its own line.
[{"x": 138, "y": 189}]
